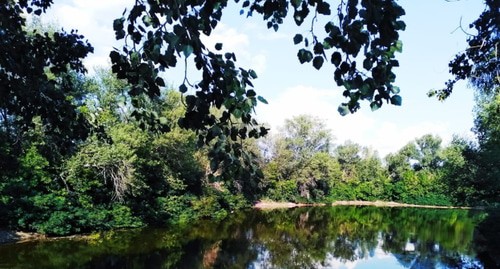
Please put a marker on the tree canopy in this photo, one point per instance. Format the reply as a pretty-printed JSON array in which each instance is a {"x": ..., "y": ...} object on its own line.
[
  {"x": 38, "y": 73},
  {"x": 159, "y": 34},
  {"x": 479, "y": 62},
  {"x": 359, "y": 38}
]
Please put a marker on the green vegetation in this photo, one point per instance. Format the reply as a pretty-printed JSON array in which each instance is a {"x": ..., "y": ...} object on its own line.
[
  {"x": 81, "y": 154},
  {"x": 422, "y": 172},
  {"x": 121, "y": 175}
]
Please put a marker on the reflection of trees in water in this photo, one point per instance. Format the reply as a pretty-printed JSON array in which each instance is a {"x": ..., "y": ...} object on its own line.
[
  {"x": 306, "y": 237},
  {"x": 349, "y": 234},
  {"x": 296, "y": 238},
  {"x": 487, "y": 240}
]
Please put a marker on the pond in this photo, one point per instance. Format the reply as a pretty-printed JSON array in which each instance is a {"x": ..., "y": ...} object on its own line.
[{"x": 319, "y": 237}]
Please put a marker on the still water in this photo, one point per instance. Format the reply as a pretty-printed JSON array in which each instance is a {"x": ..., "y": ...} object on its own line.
[{"x": 320, "y": 237}]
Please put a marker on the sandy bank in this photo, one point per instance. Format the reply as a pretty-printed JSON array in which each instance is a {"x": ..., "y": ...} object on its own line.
[
  {"x": 12, "y": 236},
  {"x": 275, "y": 205},
  {"x": 392, "y": 204}
]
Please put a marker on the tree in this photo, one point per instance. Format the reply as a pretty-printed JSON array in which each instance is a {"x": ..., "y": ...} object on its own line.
[
  {"x": 348, "y": 155},
  {"x": 479, "y": 62},
  {"x": 415, "y": 171},
  {"x": 360, "y": 41},
  {"x": 459, "y": 171},
  {"x": 362, "y": 175},
  {"x": 426, "y": 154},
  {"x": 487, "y": 128},
  {"x": 306, "y": 135},
  {"x": 372, "y": 26},
  {"x": 479, "y": 65},
  {"x": 153, "y": 44},
  {"x": 300, "y": 138},
  {"x": 39, "y": 75},
  {"x": 299, "y": 162},
  {"x": 422, "y": 153}
]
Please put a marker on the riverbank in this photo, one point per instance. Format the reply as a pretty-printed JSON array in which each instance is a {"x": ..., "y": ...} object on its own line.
[
  {"x": 276, "y": 205},
  {"x": 7, "y": 236},
  {"x": 18, "y": 237},
  {"x": 268, "y": 205}
]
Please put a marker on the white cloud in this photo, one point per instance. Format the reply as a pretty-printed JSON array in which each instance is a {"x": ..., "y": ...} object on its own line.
[
  {"x": 239, "y": 43},
  {"x": 321, "y": 103},
  {"x": 363, "y": 127},
  {"x": 94, "y": 20},
  {"x": 229, "y": 37}
]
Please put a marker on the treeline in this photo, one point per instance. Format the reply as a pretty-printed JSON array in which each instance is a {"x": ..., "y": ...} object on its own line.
[
  {"x": 117, "y": 172},
  {"x": 303, "y": 165}
]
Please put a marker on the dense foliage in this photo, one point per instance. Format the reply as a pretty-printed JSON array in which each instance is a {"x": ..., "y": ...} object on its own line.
[
  {"x": 80, "y": 153},
  {"x": 422, "y": 172},
  {"x": 121, "y": 175}
]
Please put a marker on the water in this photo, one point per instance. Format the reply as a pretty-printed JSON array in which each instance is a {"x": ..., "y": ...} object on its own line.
[{"x": 322, "y": 237}]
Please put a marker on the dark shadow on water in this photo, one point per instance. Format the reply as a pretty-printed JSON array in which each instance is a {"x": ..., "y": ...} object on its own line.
[
  {"x": 8, "y": 236},
  {"x": 322, "y": 237}
]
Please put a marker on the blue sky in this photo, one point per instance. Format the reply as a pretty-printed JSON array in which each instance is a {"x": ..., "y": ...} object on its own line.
[{"x": 429, "y": 43}]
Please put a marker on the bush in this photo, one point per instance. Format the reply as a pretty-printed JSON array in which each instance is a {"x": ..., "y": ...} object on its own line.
[{"x": 285, "y": 190}]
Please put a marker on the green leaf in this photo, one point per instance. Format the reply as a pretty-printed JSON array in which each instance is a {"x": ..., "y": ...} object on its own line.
[
  {"x": 147, "y": 20},
  {"x": 374, "y": 106},
  {"x": 395, "y": 89},
  {"x": 396, "y": 100},
  {"x": 318, "y": 62},
  {"x": 332, "y": 29},
  {"x": 400, "y": 25},
  {"x": 237, "y": 113},
  {"x": 183, "y": 88},
  {"x": 399, "y": 46},
  {"x": 134, "y": 58},
  {"x": 218, "y": 46},
  {"x": 367, "y": 64},
  {"x": 304, "y": 56},
  {"x": 262, "y": 100},
  {"x": 336, "y": 58},
  {"x": 118, "y": 28},
  {"x": 118, "y": 24},
  {"x": 343, "y": 110},
  {"x": 163, "y": 120},
  {"x": 365, "y": 90},
  {"x": 251, "y": 93},
  {"x": 297, "y": 39},
  {"x": 252, "y": 73},
  {"x": 160, "y": 82},
  {"x": 323, "y": 8},
  {"x": 188, "y": 49}
]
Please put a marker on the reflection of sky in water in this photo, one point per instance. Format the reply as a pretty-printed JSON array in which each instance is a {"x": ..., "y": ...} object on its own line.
[
  {"x": 380, "y": 259},
  {"x": 377, "y": 259}
]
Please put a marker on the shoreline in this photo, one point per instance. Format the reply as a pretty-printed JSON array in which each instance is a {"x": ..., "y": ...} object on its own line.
[
  {"x": 14, "y": 237},
  {"x": 7, "y": 237},
  {"x": 269, "y": 205},
  {"x": 276, "y": 205}
]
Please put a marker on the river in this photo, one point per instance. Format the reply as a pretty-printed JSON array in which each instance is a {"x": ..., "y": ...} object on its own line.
[{"x": 317, "y": 237}]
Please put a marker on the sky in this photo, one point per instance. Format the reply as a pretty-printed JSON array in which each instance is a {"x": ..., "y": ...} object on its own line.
[{"x": 430, "y": 41}]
